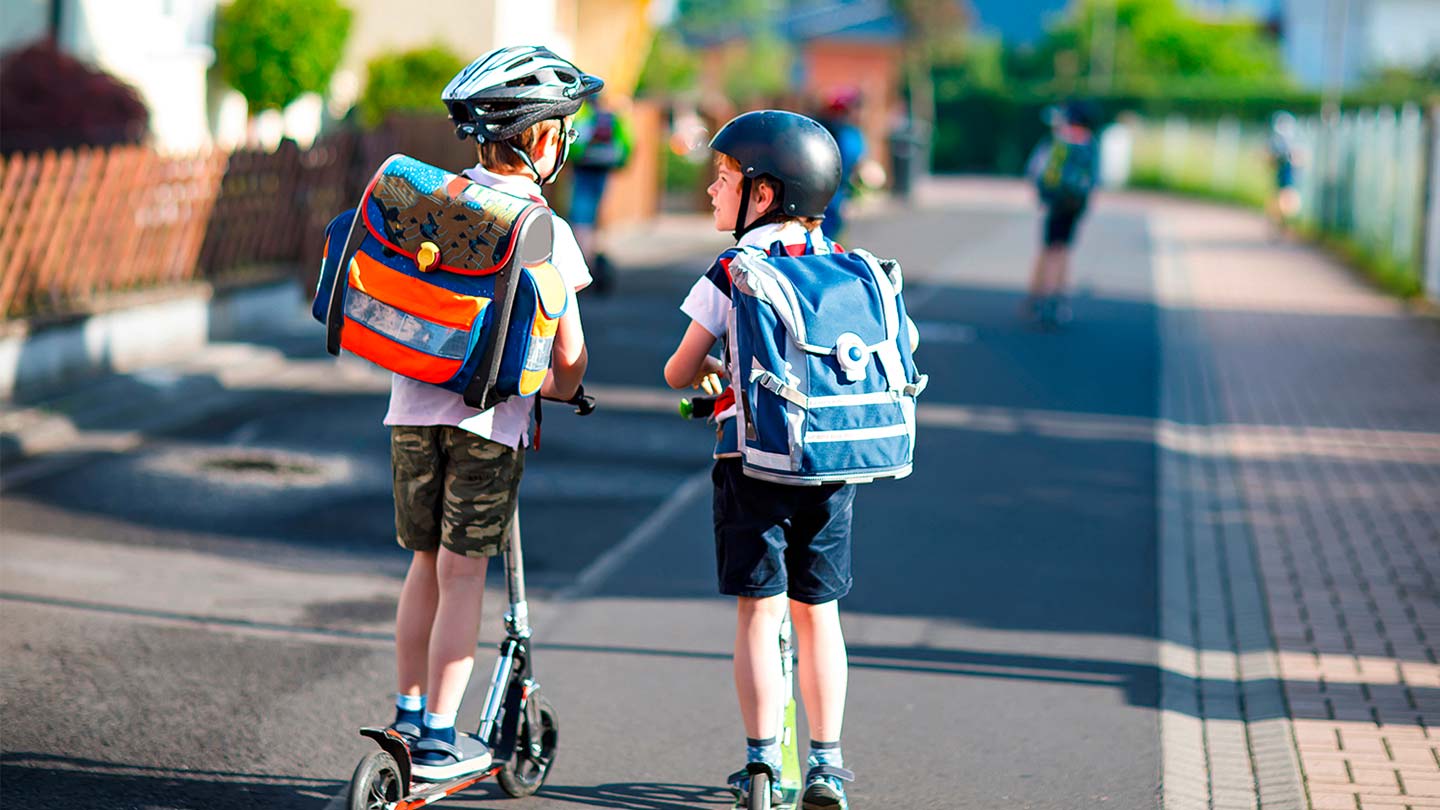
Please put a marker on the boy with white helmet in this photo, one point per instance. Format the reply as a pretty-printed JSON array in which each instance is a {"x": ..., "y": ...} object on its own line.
[{"x": 457, "y": 469}]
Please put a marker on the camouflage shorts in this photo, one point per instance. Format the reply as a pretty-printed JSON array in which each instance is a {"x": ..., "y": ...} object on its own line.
[{"x": 453, "y": 488}]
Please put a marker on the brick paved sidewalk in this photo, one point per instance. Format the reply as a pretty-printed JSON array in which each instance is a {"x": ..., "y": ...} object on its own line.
[{"x": 1301, "y": 536}]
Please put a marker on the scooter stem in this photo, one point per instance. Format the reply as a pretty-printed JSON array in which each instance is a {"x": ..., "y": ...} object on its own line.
[{"x": 517, "y": 621}]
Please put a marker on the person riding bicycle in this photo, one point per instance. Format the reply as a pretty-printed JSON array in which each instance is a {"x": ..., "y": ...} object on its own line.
[
  {"x": 776, "y": 545},
  {"x": 456, "y": 469}
]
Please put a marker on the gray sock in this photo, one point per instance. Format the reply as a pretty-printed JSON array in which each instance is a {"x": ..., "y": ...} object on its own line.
[
  {"x": 766, "y": 750},
  {"x": 825, "y": 753}
]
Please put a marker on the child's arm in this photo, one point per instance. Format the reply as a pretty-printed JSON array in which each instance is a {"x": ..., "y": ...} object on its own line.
[
  {"x": 568, "y": 357},
  {"x": 691, "y": 361}
]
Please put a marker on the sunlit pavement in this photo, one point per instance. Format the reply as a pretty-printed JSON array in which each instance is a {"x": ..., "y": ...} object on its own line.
[{"x": 1183, "y": 549}]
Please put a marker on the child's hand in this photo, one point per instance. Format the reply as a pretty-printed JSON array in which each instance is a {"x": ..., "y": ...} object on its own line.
[{"x": 708, "y": 377}]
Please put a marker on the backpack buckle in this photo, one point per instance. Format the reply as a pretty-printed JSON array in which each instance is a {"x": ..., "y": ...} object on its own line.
[{"x": 853, "y": 355}]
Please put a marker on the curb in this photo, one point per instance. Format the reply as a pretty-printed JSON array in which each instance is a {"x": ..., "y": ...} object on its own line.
[
  {"x": 35, "y": 360},
  {"x": 1227, "y": 741}
]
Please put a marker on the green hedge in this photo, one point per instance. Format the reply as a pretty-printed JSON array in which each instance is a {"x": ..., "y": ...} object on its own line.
[{"x": 993, "y": 130}]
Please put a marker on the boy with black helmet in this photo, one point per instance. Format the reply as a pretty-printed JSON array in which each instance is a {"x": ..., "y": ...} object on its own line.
[
  {"x": 777, "y": 546},
  {"x": 457, "y": 469}
]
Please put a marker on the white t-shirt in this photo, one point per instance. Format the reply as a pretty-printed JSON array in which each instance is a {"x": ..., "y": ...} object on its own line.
[
  {"x": 414, "y": 403},
  {"x": 708, "y": 302}
]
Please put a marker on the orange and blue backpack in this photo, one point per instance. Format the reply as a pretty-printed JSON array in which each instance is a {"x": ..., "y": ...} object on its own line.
[{"x": 444, "y": 281}]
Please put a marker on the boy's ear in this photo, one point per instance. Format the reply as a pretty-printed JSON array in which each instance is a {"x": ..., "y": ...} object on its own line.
[
  {"x": 547, "y": 138},
  {"x": 762, "y": 196}
]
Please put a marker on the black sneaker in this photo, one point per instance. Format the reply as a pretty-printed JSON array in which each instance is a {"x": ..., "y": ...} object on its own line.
[
  {"x": 442, "y": 754},
  {"x": 825, "y": 788}
]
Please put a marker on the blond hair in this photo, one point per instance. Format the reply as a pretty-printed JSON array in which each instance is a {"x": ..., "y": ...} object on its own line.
[{"x": 810, "y": 223}]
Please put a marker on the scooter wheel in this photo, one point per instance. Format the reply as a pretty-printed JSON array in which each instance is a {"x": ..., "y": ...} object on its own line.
[
  {"x": 376, "y": 784},
  {"x": 534, "y": 753},
  {"x": 760, "y": 791}
]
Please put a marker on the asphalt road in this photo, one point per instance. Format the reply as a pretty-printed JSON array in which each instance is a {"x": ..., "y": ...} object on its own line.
[{"x": 199, "y": 617}]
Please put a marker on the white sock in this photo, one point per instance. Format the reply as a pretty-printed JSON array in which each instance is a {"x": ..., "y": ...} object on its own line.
[
  {"x": 409, "y": 703},
  {"x": 433, "y": 720}
]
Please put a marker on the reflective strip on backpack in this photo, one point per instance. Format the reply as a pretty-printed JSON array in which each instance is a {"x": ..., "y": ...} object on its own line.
[
  {"x": 857, "y": 434},
  {"x": 404, "y": 328}
]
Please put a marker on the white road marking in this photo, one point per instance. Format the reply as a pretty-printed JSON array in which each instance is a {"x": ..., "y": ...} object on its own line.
[
  {"x": 647, "y": 532},
  {"x": 942, "y": 332}
]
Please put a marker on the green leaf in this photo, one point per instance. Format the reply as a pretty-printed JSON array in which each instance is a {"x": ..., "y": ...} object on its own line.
[
  {"x": 407, "y": 81},
  {"x": 274, "y": 51}
]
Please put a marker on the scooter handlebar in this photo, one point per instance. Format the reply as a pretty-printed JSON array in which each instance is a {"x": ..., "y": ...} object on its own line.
[{"x": 584, "y": 405}]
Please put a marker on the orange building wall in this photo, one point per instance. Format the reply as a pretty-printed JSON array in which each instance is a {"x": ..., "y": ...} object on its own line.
[{"x": 874, "y": 69}]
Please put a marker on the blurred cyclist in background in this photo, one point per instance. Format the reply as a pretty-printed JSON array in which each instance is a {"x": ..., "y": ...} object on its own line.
[
  {"x": 602, "y": 145},
  {"x": 838, "y": 117}
]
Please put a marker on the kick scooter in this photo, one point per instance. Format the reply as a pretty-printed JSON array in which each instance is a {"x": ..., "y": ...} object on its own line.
[
  {"x": 518, "y": 723},
  {"x": 768, "y": 790}
]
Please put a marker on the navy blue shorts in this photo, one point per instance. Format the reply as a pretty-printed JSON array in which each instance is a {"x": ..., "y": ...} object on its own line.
[
  {"x": 1060, "y": 222},
  {"x": 773, "y": 538}
]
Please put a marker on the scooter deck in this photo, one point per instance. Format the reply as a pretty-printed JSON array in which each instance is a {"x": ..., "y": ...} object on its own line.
[
  {"x": 424, "y": 793},
  {"x": 420, "y": 794}
]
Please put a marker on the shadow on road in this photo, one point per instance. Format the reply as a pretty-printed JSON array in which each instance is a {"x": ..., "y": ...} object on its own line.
[{"x": 52, "y": 780}]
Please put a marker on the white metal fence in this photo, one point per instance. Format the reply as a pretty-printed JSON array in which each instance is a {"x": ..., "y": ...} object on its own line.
[{"x": 1370, "y": 176}]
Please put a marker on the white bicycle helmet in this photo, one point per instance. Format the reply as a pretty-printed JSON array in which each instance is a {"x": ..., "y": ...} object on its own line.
[{"x": 508, "y": 90}]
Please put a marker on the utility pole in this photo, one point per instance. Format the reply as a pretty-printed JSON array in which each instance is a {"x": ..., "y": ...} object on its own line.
[{"x": 1102, "y": 45}]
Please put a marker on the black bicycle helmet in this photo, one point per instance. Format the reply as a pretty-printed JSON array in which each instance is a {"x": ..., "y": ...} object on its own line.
[
  {"x": 509, "y": 90},
  {"x": 791, "y": 149}
]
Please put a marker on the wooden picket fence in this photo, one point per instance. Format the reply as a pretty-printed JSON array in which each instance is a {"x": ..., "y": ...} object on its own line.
[
  {"x": 88, "y": 220},
  {"x": 85, "y": 223},
  {"x": 82, "y": 224}
]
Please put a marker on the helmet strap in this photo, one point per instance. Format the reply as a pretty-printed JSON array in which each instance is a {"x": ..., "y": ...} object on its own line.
[
  {"x": 564, "y": 153},
  {"x": 529, "y": 161},
  {"x": 559, "y": 161},
  {"x": 773, "y": 215},
  {"x": 746, "y": 186}
]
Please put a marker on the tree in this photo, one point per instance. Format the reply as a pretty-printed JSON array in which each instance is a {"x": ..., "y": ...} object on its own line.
[
  {"x": 1147, "y": 42},
  {"x": 274, "y": 51},
  {"x": 409, "y": 81},
  {"x": 671, "y": 68},
  {"x": 758, "y": 58},
  {"x": 931, "y": 26}
]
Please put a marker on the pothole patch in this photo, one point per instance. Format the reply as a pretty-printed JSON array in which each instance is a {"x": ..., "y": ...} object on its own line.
[{"x": 260, "y": 467}]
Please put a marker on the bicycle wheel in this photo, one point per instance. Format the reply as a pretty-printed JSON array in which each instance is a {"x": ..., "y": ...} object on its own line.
[
  {"x": 534, "y": 753},
  {"x": 376, "y": 783}
]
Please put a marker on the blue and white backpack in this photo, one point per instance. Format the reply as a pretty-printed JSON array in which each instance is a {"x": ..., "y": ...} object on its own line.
[{"x": 825, "y": 382}]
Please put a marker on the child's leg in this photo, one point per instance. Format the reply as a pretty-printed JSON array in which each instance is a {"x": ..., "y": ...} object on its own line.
[
  {"x": 461, "y": 581},
  {"x": 1037, "y": 277},
  {"x": 1058, "y": 267},
  {"x": 823, "y": 666},
  {"x": 413, "y": 620},
  {"x": 757, "y": 664}
]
